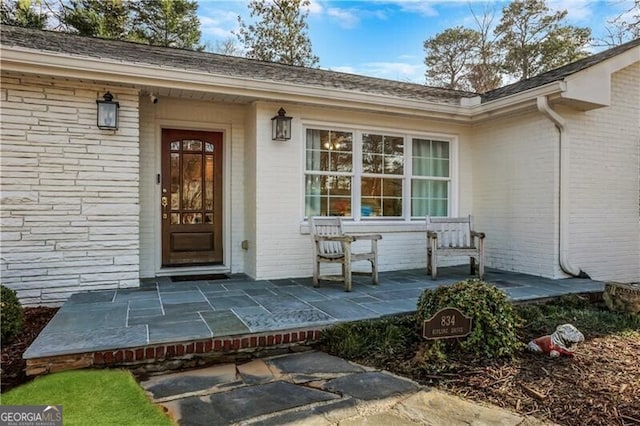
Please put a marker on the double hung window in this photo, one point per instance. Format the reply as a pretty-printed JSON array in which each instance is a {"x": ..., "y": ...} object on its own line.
[{"x": 370, "y": 175}]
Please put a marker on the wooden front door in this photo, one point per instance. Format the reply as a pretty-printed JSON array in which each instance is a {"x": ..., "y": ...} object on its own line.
[{"x": 191, "y": 203}]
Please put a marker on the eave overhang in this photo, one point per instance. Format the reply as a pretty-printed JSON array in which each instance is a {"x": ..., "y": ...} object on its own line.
[{"x": 584, "y": 90}]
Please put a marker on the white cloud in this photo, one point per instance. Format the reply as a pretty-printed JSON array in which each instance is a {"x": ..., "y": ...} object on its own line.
[
  {"x": 578, "y": 10},
  {"x": 315, "y": 8},
  {"x": 218, "y": 23},
  {"x": 399, "y": 71},
  {"x": 346, "y": 18},
  {"x": 346, "y": 69}
]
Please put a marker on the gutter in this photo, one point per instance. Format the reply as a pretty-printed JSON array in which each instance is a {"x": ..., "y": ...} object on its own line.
[{"x": 563, "y": 145}]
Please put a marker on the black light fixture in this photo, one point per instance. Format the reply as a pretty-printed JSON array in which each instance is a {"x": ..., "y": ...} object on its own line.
[
  {"x": 281, "y": 126},
  {"x": 108, "y": 112}
]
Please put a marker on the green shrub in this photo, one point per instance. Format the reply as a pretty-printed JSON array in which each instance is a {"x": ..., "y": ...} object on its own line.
[
  {"x": 10, "y": 314},
  {"x": 381, "y": 338},
  {"x": 495, "y": 321}
]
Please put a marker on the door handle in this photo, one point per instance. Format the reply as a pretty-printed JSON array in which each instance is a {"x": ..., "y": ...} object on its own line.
[{"x": 164, "y": 203}]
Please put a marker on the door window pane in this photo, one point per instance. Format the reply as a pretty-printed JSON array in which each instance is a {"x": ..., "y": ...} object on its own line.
[
  {"x": 175, "y": 181},
  {"x": 192, "y": 218},
  {"x": 191, "y": 145},
  {"x": 191, "y": 181},
  {"x": 208, "y": 182}
]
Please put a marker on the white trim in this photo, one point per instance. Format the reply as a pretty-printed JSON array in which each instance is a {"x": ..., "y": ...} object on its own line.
[{"x": 225, "y": 129}]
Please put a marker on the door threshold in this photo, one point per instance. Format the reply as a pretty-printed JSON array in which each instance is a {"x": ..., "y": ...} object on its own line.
[{"x": 193, "y": 270}]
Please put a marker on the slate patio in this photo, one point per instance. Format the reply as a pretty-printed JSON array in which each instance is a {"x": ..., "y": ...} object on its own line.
[{"x": 162, "y": 311}]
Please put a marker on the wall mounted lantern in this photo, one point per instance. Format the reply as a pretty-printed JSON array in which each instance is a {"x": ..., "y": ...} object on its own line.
[
  {"x": 108, "y": 112},
  {"x": 281, "y": 126}
]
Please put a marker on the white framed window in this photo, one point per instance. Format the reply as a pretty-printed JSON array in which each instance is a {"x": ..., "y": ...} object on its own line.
[
  {"x": 328, "y": 173},
  {"x": 370, "y": 175}
]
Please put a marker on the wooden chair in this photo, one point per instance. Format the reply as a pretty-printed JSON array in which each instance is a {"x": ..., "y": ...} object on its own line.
[
  {"x": 332, "y": 245},
  {"x": 454, "y": 236}
]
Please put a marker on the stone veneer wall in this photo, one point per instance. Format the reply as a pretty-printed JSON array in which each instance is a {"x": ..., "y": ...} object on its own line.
[{"x": 70, "y": 191}]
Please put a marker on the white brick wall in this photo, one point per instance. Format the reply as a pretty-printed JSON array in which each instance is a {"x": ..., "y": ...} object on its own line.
[
  {"x": 69, "y": 190},
  {"x": 605, "y": 167},
  {"x": 515, "y": 192}
]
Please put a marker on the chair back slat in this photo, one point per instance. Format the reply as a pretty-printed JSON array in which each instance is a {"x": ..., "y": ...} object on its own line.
[
  {"x": 453, "y": 232},
  {"x": 327, "y": 227}
]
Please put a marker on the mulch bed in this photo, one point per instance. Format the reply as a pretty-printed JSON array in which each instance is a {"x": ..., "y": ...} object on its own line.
[
  {"x": 599, "y": 386},
  {"x": 12, "y": 364}
]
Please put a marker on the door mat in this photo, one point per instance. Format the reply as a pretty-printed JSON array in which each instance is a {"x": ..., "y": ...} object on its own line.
[{"x": 208, "y": 277}]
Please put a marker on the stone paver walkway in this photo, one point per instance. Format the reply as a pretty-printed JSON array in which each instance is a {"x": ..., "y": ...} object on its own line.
[
  {"x": 312, "y": 388},
  {"x": 162, "y": 311}
]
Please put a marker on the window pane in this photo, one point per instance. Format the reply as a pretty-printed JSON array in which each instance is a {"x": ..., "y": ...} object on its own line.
[
  {"x": 329, "y": 151},
  {"x": 440, "y": 168},
  {"x": 327, "y": 195},
  {"x": 372, "y": 144},
  {"x": 439, "y": 149},
  {"x": 394, "y": 165},
  {"x": 430, "y": 158},
  {"x": 381, "y": 197},
  {"x": 175, "y": 146},
  {"x": 421, "y": 166},
  {"x": 429, "y": 197},
  {"x": 382, "y": 154},
  {"x": 372, "y": 163},
  {"x": 394, "y": 145}
]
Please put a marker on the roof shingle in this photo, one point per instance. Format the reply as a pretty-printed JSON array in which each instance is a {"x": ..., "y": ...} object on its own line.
[
  {"x": 221, "y": 65},
  {"x": 558, "y": 73}
]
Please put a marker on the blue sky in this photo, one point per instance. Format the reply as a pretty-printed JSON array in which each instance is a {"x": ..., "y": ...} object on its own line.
[{"x": 383, "y": 38}]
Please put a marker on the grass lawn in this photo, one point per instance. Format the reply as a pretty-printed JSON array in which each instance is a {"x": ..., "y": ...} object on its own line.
[{"x": 100, "y": 397}]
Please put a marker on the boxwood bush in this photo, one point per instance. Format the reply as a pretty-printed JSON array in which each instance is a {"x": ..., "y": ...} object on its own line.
[
  {"x": 10, "y": 314},
  {"x": 495, "y": 321}
]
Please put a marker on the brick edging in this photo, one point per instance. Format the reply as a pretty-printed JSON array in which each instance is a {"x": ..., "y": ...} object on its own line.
[{"x": 132, "y": 357}]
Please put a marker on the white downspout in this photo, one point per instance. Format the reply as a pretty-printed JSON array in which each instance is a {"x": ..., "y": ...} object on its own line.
[{"x": 564, "y": 143}]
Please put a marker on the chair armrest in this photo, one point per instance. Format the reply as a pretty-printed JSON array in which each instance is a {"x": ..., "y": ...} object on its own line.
[
  {"x": 477, "y": 234},
  {"x": 432, "y": 235},
  {"x": 370, "y": 237},
  {"x": 343, "y": 239}
]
